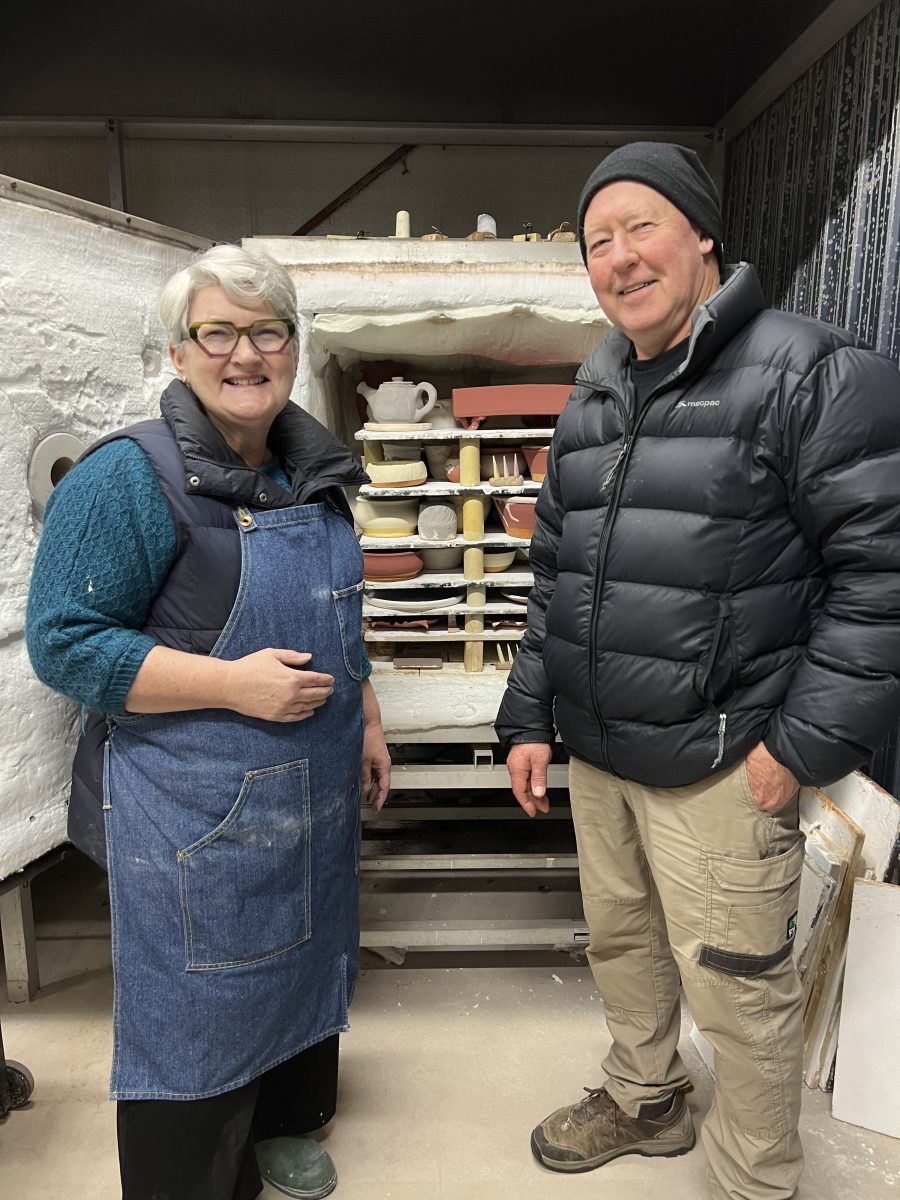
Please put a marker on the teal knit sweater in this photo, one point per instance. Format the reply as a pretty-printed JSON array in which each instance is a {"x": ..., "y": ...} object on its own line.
[{"x": 107, "y": 546}]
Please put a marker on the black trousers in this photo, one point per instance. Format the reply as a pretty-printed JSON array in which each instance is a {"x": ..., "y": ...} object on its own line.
[{"x": 203, "y": 1149}]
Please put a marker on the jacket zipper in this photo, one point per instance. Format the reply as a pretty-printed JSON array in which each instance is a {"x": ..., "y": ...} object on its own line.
[{"x": 616, "y": 476}]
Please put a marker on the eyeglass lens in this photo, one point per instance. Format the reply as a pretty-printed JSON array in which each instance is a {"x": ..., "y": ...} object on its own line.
[{"x": 221, "y": 337}]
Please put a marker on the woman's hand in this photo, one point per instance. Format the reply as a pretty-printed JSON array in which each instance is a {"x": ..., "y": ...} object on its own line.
[
  {"x": 376, "y": 761},
  {"x": 271, "y": 686}
]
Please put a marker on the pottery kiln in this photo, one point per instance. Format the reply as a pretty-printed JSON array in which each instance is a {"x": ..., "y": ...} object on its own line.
[{"x": 463, "y": 316}]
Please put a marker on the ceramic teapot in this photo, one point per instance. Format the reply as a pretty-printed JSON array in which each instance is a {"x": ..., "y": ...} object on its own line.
[{"x": 398, "y": 400}]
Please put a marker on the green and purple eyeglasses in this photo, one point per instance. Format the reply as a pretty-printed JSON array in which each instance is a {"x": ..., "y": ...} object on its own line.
[{"x": 218, "y": 339}]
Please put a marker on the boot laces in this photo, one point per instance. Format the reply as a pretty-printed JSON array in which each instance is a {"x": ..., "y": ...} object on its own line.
[{"x": 595, "y": 1102}]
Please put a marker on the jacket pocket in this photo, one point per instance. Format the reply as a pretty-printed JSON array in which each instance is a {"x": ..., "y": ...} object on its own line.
[
  {"x": 715, "y": 676},
  {"x": 245, "y": 886},
  {"x": 348, "y": 606},
  {"x": 751, "y": 911}
]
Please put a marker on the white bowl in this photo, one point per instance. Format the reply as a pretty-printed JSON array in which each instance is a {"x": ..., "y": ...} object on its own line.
[
  {"x": 498, "y": 560},
  {"x": 442, "y": 558},
  {"x": 386, "y": 518}
]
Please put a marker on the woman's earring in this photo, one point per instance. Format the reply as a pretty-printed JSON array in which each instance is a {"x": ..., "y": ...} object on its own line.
[{"x": 184, "y": 380}]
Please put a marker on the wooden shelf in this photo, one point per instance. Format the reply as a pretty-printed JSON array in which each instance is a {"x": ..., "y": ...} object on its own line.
[
  {"x": 506, "y": 609},
  {"x": 514, "y": 577},
  {"x": 433, "y": 489},
  {"x": 455, "y": 435},
  {"x": 412, "y": 541},
  {"x": 437, "y": 635}
]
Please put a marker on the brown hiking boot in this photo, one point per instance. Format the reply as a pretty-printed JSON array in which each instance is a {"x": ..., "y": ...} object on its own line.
[{"x": 594, "y": 1131}]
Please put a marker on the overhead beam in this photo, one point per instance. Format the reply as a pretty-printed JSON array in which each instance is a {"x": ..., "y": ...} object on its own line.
[
  {"x": 594, "y": 136},
  {"x": 816, "y": 40}
]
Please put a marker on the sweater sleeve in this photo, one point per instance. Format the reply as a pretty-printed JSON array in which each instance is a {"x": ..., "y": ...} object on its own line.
[
  {"x": 107, "y": 545},
  {"x": 843, "y": 445}
]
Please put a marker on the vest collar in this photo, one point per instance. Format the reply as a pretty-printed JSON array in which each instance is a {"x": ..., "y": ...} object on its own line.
[{"x": 313, "y": 458}]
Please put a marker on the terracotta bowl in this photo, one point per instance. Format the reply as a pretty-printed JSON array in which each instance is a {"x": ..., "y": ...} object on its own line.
[
  {"x": 536, "y": 457},
  {"x": 517, "y": 514},
  {"x": 384, "y": 566}
]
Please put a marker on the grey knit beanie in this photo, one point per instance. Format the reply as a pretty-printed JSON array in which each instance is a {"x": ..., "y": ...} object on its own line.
[{"x": 673, "y": 171}]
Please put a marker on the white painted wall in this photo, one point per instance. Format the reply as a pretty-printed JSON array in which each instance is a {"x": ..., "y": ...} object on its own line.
[{"x": 81, "y": 353}]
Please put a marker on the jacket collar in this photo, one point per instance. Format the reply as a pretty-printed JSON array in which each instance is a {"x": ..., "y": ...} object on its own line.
[
  {"x": 713, "y": 325},
  {"x": 313, "y": 458}
]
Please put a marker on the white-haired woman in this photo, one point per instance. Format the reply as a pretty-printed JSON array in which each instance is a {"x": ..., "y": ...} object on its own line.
[{"x": 198, "y": 591}]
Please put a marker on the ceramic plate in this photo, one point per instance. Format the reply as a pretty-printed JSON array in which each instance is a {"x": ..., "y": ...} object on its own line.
[
  {"x": 412, "y": 600},
  {"x": 516, "y": 597}
]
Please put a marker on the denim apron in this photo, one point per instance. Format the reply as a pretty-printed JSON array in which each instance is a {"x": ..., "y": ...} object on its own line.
[{"x": 233, "y": 843}]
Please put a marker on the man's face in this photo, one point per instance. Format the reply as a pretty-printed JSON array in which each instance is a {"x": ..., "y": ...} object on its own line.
[{"x": 649, "y": 267}]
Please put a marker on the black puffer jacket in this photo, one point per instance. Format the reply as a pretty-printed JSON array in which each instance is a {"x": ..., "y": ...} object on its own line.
[{"x": 725, "y": 568}]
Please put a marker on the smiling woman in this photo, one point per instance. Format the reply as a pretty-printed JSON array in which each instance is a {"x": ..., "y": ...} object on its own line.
[
  {"x": 227, "y": 613},
  {"x": 246, "y": 385}
]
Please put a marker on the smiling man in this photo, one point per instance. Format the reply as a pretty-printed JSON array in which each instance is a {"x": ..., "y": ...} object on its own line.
[{"x": 715, "y": 620}]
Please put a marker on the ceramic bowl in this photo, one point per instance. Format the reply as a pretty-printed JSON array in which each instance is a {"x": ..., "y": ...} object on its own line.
[
  {"x": 384, "y": 566},
  {"x": 401, "y": 451},
  {"x": 437, "y": 456},
  {"x": 386, "y": 518},
  {"x": 438, "y": 521},
  {"x": 536, "y": 457},
  {"x": 498, "y": 560},
  {"x": 397, "y": 474},
  {"x": 442, "y": 558},
  {"x": 517, "y": 514}
]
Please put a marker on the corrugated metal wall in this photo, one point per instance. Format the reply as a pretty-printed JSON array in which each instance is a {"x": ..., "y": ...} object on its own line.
[
  {"x": 812, "y": 193},
  {"x": 813, "y": 199}
]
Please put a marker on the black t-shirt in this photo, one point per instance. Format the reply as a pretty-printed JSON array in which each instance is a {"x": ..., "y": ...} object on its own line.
[{"x": 648, "y": 373}]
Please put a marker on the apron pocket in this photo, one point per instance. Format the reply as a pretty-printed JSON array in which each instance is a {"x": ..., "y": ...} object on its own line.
[
  {"x": 348, "y": 606},
  {"x": 751, "y": 911},
  {"x": 245, "y": 886}
]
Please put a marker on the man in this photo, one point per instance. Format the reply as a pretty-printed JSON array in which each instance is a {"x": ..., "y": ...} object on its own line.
[{"x": 715, "y": 620}]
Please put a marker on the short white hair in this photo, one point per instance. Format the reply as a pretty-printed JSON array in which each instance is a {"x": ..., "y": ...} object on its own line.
[{"x": 249, "y": 278}]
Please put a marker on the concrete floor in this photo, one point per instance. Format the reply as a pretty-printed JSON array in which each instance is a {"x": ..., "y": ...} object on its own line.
[{"x": 446, "y": 1070}]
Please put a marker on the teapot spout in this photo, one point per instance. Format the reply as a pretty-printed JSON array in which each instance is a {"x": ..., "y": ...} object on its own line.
[{"x": 366, "y": 391}]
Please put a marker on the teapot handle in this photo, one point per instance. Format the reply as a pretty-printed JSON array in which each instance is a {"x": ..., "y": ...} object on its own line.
[{"x": 431, "y": 392}]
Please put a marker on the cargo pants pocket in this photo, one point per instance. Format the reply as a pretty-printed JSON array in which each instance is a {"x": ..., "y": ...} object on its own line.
[
  {"x": 751, "y": 911},
  {"x": 245, "y": 886}
]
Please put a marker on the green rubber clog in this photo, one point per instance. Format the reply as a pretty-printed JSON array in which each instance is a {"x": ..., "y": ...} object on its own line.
[{"x": 297, "y": 1166}]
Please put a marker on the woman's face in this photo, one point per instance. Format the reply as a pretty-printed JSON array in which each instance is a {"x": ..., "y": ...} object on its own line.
[{"x": 245, "y": 390}]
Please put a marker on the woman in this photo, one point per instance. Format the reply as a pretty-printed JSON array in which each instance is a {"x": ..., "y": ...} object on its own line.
[{"x": 198, "y": 590}]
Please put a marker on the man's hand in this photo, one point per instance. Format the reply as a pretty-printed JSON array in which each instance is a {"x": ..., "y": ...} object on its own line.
[
  {"x": 771, "y": 784},
  {"x": 527, "y": 766},
  {"x": 376, "y": 766},
  {"x": 271, "y": 685}
]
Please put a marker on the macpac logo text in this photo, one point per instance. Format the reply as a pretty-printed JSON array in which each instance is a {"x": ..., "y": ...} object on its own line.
[{"x": 698, "y": 404}]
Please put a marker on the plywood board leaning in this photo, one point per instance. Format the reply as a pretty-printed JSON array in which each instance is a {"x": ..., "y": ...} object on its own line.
[
  {"x": 876, "y": 811},
  {"x": 868, "y": 1057},
  {"x": 822, "y": 820}
]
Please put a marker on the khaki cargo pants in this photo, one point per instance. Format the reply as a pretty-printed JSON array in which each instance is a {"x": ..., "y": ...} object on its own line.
[{"x": 696, "y": 886}]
